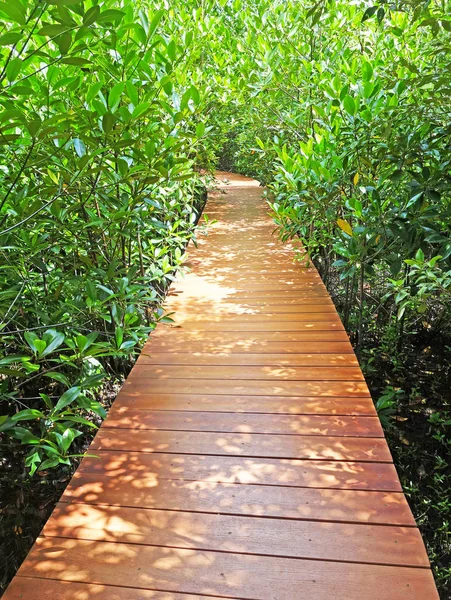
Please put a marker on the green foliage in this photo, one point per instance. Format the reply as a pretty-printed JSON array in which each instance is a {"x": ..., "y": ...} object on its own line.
[
  {"x": 109, "y": 108},
  {"x": 101, "y": 127}
]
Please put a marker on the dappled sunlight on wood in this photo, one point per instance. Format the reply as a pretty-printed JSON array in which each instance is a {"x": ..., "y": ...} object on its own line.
[
  {"x": 345, "y": 373},
  {"x": 231, "y": 498},
  {"x": 290, "y": 472},
  {"x": 302, "y": 539},
  {"x": 246, "y": 403},
  {"x": 243, "y": 454},
  {"x": 63, "y": 590},
  {"x": 244, "y": 444},
  {"x": 203, "y": 572},
  {"x": 129, "y": 418},
  {"x": 247, "y": 387}
]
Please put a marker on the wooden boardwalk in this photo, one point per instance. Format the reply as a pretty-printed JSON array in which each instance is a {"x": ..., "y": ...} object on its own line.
[{"x": 243, "y": 457}]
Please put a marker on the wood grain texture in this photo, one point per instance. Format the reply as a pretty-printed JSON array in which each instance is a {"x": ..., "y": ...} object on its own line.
[
  {"x": 256, "y": 343},
  {"x": 229, "y": 422},
  {"x": 325, "y": 474},
  {"x": 295, "y": 405},
  {"x": 243, "y": 444},
  {"x": 326, "y": 322},
  {"x": 47, "y": 589},
  {"x": 343, "y": 356},
  {"x": 251, "y": 387},
  {"x": 375, "y": 544},
  {"x": 333, "y": 505},
  {"x": 221, "y": 573},
  {"x": 341, "y": 372},
  {"x": 243, "y": 457}
]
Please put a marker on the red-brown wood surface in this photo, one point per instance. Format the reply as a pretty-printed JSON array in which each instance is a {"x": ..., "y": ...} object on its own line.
[{"x": 243, "y": 457}]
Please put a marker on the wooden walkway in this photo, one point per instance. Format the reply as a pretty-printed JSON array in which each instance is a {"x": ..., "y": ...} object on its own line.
[{"x": 243, "y": 457}]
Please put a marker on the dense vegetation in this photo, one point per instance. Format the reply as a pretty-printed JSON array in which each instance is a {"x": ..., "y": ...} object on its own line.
[{"x": 108, "y": 109}]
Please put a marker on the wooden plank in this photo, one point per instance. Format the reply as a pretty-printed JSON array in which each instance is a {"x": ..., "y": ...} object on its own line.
[
  {"x": 281, "y": 301},
  {"x": 263, "y": 289},
  {"x": 236, "y": 469},
  {"x": 246, "y": 294},
  {"x": 332, "y": 323},
  {"x": 347, "y": 426},
  {"x": 243, "y": 444},
  {"x": 232, "y": 309},
  {"x": 312, "y": 359},
  {"x": 350, "y": 542},
  {"x": 180, "y": 318},
  {"x": 229, "y": 307},
  {"x": 171, "y": 335},
  {"x": 201, "y": 266},
  {"x": 45, "y": 589},
  {"x": 296, "y": 304},
  {"x": 389, "y": 508},
  {"x": 249, "y": 283},
  {"x": 248, "y": 270},
  {"x": 137, "y": 385},
  {"x": 333, "y": 372},
  {"x": 257, "y": 343},
  {"x": 246, "y": 404},
  {"x": 235, "y": 277},
  {"x": 221, "y": 573}
]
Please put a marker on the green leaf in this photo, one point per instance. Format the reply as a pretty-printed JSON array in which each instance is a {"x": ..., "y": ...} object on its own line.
[
  {"x": 111, "y": 15},
  {"x": 49, "y": 463},
  {"x": 64, "y": 2},
  {"x": 200, "y": 130},
  {"x": 67, "y": 398},
  {"x": 92, "y": 405},
  {"x": 28, "y": 414},
  {"x": 14, "y": 10},
  {"x": 64, "y": 42},
  {"x": 8, "y": 39},
  {"x": 68, "y": 437},
  {"x": 108, "y": 121},
  {"x": 75, "y": 60},
  {"x": 91, "y": 15},
  {"x": 52, "y": 30},
  {"x": 195, "y": 95},
  {"x": 140, "y": 109},
  {"x": 31, "y": 339},
  {"x": 22, "y": 90},
  {"x": 132, "y": 92},
  {"x": 13, "y": 69},
  {"x": 172, "y": 50},
  {"x": 119, "y": 334},
  {"x": 32, "y": 461},
  {"x": 419, "y": 256},
  {"x": 6, "y": 423},
  {"x": 53, "y": 340},
  {"x": 93, "y": 91},
  {"x": 367, "y": 71},
  {"x": 369, "y": 13},
  {"x": 350, "y": 105},
  {"x": 115, "y": 94},
  {"x": 156, "y": 18},
  {"x": 80, "y": 147},
  {"x": 57, "y": 377}
]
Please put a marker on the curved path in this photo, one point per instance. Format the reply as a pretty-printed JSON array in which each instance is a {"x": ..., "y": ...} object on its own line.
[{"x": 243, "y": 457}]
